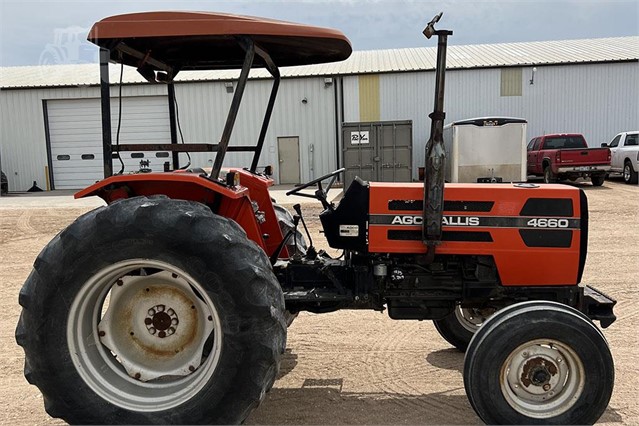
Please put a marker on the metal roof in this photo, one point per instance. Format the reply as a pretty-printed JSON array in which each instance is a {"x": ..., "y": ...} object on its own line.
[{"x": 614, "y": 49}]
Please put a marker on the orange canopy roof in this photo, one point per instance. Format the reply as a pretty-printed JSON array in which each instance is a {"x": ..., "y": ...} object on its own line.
[{"x": 203, "y": 40}]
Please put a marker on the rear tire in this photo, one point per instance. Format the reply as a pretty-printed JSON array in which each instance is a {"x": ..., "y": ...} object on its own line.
[
  {"x": 597, "y": 180},
  {"x": 539, "y": 363},
  {"x": 152, "y": 276},
  {"x": 296, "y": 244},
  {"x": 630, "y": 175},
  {"x": 459, "y": 327},
  {"x": 549, "y": 176}
]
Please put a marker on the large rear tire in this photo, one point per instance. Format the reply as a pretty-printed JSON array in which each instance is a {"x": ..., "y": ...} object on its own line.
[
  {"x": 296, "y": 244},
  {"x": 152, "y": 310},
  {"x": 539, "y": 363}
]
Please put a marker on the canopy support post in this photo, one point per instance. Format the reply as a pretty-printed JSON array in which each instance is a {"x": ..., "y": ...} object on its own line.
[
  {"x": 249, "y": 47},
  {"x": 105, "y": 104}
]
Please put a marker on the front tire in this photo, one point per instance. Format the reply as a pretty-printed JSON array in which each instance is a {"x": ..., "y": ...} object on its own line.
[
  {"x": 152, "y": 310},
  {"x": 630, "y": 176},
  {"x": 539, "y": 363}
]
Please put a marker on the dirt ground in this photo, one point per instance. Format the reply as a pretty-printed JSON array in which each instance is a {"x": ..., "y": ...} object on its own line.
[{"x": 354, "y": 367}]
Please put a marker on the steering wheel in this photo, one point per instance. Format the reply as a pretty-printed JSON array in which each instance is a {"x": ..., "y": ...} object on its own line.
[{"x": 321, "y": 193}]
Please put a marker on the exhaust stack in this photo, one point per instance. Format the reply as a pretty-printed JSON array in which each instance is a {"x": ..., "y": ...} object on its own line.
[{"x": 435, "y": 154}]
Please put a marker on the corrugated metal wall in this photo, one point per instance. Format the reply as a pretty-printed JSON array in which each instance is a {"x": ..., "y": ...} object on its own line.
[
  {"x": 598, "y": 100},
  {"x": 22, "y": 134},
  {"x": 202, "y": 109}
]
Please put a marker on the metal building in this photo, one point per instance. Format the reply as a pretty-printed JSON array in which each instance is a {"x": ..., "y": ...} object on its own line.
[{"x": 50, "y": 115}]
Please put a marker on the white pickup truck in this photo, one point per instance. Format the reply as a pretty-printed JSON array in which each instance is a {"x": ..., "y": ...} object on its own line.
[{"x": 624, "y": 150}]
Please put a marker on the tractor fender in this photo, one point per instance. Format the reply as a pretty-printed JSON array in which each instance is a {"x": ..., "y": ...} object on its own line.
[{"x": 233, "y": 202}]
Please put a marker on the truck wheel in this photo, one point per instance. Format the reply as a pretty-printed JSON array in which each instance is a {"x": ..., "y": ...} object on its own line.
[
  {"x": 549, "y": 176},
  {"x": 597, "y": 180},
  {"x": 539, "y": 363},
  {"x": 152, "y": 310},
  {"x": 629, "y": 174},
  {"x": 459, "y": 327}
]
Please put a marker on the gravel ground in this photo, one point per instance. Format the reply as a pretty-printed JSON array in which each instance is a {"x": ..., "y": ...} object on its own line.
[{"x": 350, "y": 367}]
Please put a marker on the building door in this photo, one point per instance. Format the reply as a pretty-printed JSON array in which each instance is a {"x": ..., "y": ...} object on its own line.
[
  {"x": 288, "y": 150},
  {"x": 75, "y": 136}
]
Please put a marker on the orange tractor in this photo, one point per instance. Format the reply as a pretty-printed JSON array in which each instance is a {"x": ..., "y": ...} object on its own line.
[{"x": 171, "y": 303}]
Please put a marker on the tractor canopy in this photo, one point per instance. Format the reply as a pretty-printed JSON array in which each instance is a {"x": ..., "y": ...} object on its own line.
[
  {"x": 161, "y": 44},
  {"x": 173, "y": 41}
]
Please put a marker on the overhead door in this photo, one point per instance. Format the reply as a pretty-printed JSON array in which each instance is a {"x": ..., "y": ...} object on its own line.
[{"x": 75, "y": 136}]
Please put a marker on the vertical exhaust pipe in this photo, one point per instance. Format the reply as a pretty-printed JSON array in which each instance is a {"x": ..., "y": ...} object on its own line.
[{"x": 435, "y": 155}]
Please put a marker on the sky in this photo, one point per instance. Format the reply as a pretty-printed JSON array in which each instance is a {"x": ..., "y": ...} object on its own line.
[{"x": 35, "y": 32}]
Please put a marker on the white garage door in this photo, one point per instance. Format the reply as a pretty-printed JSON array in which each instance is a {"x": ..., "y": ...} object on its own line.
[{"x": 75, "y": 134}]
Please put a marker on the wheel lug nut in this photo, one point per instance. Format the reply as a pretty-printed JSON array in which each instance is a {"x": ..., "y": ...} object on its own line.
[
  {"x": 191, "y": 368},
  {"x": 151, "y": 312},
  {"x": 170, "y": 311},
  {"x": 546, "y": 387},
  {"x": 524, "y": 354},
  {"x": 152, "y": 330},
  {"x": 559, "y": 360},
  {"x": 101, "y": 333}
]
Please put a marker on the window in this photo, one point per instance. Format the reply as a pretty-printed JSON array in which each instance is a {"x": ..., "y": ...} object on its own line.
[
  {"x": 531, "y": 144},
  {"x": 632, "y": 140},
  {"x": 565, "y": 142},
  {"x": 511, "y": 82},
  {"x": 615, "y": 142},
  {"x": 537, "y": 143}
]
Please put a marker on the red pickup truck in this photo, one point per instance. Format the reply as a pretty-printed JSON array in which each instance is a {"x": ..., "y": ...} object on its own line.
[{"x": 567, "y": 156}]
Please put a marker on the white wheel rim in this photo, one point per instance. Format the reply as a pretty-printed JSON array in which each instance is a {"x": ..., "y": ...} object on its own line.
[
  {"x": 472, "y": 318},
  {"x": 626, "y": 172},
  {"x": 542, "y": 378},
  {"x": 113, "y": 334}
]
